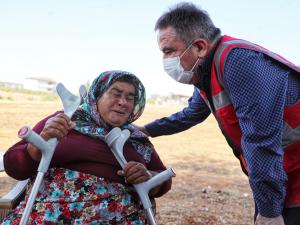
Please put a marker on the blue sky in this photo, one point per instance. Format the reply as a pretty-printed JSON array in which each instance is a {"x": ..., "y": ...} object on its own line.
[{"x": 73, "y": 41}]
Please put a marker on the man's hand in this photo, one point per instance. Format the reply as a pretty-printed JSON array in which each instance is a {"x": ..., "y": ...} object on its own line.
[
  {"x": 261, "y": 220},
  {"x": 142, "y": 128}
]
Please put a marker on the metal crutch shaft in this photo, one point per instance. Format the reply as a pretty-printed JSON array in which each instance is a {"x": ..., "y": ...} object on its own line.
[
  {"x": 116, "y": 140},
  {"x": 47, "y": 148}
]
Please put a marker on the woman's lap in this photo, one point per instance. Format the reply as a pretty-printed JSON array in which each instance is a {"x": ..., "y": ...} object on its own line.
[{"x": 70, "y": 197}]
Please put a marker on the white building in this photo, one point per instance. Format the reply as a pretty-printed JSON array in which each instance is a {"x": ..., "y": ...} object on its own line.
[
  {"x": 11, "y": 84},
  {"x": 39, "y": 84}
]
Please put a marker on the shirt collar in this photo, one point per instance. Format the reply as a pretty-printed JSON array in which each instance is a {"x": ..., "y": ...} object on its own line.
[{"x": 203, "y": 71}]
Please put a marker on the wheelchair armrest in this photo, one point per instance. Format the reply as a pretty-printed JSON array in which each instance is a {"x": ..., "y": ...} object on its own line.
[
  {"x": 10, "y": 200},
  {"x": 1, "y": 162}
]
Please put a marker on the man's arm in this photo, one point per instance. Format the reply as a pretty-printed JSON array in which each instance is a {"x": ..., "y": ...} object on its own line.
[
  {"x": 260, "y": 220},
  {"x": 257, "y": 87},
  {"x": 196, "y": 112}
]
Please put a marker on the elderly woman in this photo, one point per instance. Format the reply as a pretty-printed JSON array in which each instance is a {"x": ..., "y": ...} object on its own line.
[{"x": 85, "y": 184}]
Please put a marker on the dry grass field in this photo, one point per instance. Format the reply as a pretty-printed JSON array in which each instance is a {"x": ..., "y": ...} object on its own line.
[{"x": 209, "y": 187}]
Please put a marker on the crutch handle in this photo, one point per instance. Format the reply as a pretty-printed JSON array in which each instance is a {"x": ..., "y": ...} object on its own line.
[
  {"x": 116, "y": 140},
  {"x": 47, "y": 148}
]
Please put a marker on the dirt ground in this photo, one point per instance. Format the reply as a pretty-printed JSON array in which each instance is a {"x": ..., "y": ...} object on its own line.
[{"x": 209, "y": 187}]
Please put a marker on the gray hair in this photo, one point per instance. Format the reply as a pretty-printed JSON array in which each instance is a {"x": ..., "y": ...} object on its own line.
[{"x": 189, "y": 23}]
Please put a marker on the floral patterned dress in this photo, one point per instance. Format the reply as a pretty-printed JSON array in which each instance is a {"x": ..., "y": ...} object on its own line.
[{"x": 71, "y": 197}]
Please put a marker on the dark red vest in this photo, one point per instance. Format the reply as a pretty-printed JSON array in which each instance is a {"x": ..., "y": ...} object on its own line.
[{"x": 229, "y": 124}]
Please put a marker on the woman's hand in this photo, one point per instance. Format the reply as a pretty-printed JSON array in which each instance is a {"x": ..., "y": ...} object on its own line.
[
  {"x": 261, "y": 220},
  {"x": 135, "y": 172},
  {"x": 55, "y": 127}
]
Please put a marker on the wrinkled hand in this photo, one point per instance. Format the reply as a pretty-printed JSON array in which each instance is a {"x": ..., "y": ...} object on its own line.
[
  {"x": 261, "y": 220},
  {"x": 57, "y": 127},
  {"x": 135, "y": 172}
]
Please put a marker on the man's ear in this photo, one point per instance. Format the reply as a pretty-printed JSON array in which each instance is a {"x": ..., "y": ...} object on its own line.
[{"x": 202, "y": 47}]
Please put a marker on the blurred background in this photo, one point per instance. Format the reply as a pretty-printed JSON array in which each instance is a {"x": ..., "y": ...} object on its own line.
[{"x": 72, "y": 41}]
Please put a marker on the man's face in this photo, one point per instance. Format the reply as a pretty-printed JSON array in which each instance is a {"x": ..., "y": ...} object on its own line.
[{"x": 171, "y": 45}]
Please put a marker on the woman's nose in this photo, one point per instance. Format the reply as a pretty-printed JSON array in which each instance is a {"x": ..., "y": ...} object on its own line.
[{"x": 122, "y": 100}]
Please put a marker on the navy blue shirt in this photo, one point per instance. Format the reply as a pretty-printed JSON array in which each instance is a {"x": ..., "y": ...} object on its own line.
[{"x": 259, "y": 88}]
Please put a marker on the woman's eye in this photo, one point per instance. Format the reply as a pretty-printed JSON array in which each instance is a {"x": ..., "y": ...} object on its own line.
[
  {"x": 130, "y": 98},
  {"x": 117, "y": 95}
]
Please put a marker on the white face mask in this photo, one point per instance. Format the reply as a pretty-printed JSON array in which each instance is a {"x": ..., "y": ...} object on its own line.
[{"x": 175, "y": 70}]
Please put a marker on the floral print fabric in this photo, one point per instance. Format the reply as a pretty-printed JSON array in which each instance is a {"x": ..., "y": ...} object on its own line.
[{"x": 71, "y": 197}]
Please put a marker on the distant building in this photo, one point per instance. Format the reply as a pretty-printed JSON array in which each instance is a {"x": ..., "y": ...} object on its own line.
[
  {"x": 170, "y": 99},
  {"x": 11, "y": 84},
  {"x": 39, "y": 84}
]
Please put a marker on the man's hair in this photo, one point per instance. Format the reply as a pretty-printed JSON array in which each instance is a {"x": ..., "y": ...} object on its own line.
[{"x": 189, "y": 23}]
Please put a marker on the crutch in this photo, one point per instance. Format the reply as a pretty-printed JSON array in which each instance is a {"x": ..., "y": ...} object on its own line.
[
  {"x": 70, "y": 104},
  {"x": 116, "y": 140}
]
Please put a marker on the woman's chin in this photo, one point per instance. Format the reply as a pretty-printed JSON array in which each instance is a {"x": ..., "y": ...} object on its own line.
[{"x": 115, "y": 123}]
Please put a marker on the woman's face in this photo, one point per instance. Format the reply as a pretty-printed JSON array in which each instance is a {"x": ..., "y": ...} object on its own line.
[{"x": 116, "y": 104}]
